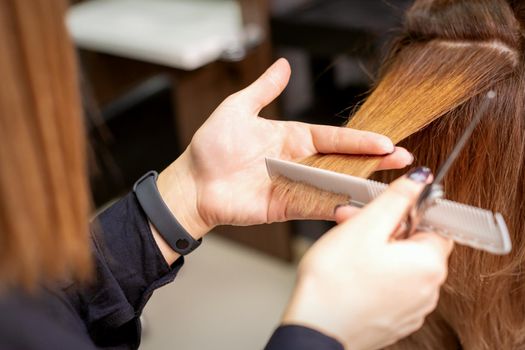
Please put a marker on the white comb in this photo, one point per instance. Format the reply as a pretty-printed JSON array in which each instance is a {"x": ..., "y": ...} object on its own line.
[{"x": 474, "y": 227}]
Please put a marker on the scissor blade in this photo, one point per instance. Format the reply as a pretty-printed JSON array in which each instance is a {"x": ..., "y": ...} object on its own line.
[{"x": 443, "y": 170}]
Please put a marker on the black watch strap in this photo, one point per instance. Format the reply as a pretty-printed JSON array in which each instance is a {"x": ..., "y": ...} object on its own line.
[{"x": 161, "y": 217}]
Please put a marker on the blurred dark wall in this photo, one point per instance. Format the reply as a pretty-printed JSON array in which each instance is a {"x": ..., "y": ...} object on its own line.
[{"x": 335, "y": 48}]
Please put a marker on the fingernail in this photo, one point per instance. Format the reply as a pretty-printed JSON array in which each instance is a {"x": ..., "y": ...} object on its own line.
[
  {"x": 386, "y": 144},
  {"x": 340, "y": 206},
  {"x": 419, "y": 174},
  {"x": 412, "y": 158}
]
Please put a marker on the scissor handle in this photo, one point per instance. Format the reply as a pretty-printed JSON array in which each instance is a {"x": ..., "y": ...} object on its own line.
[{"x": 426, "y": 199}]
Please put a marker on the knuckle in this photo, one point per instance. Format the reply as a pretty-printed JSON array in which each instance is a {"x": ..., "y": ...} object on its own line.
[
  {"x": 233, "y": 99},
  {"x": 336, "y": 139},
  {"x": 360, "y": 143},
  {"x": 435, "y": 300},
  {"x": 396, "y": 198},
  {"x": 431, "y": 271},
  {"x": 418, "y": 324},
  {"x": 443, "y": 276},
  {"x": 432, "y": 303},
  {"x": 405, "y": 188},
  {"x": 435, "y": 272},
  {"x": 425, "y": 296},
  {"x": 414, "y": 325},
  {"x": 432, "y": 299}
]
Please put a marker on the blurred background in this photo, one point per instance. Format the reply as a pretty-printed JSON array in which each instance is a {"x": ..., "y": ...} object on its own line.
[{"x": 154, "y": 70}]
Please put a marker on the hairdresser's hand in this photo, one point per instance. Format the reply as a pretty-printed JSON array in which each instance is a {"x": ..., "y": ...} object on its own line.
[
  {"x": 221, "y": 177},
  {"x": 363, "y": 288}
]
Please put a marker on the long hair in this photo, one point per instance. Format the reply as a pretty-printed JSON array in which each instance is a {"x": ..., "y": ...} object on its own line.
[
  {"x": 44, "y": 203},
  {"x": 449, "y": 55}
]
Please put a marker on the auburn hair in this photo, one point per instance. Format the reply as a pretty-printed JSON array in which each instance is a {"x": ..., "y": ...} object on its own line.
[
  {"x": 451, "y": 52},
  {"x": 44, "y": 204}
]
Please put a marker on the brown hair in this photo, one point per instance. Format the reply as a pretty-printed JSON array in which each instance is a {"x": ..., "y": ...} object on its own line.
[
  {"x": 450, "y": 53},
  {"x": 43, "y": 186}
]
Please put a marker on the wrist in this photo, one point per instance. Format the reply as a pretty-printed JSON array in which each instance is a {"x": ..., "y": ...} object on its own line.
[
  {"x": 178, "y": 190},
  {"x": 306, "y": 308}
]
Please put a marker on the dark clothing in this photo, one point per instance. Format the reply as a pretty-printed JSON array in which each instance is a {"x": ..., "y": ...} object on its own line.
[
  {"x": 105, "y": 314},
  {"x": 301, "y": 338}
]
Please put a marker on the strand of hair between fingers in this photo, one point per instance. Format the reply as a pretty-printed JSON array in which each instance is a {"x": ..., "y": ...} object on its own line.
[{"x": 493, "y": 45}]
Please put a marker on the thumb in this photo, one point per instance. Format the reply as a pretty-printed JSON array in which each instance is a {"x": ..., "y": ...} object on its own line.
[
  {"x": 386, "y": 212},
  {"x": 269, "y": 85}
]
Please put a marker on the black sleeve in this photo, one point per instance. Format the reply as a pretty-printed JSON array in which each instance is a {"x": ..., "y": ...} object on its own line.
[
  {"x": 129, "y": 267},
  {"x": 292, "y": 337}
]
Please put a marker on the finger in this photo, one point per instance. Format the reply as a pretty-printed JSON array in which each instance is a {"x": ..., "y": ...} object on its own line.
[
  {"x": 383, "y": 215},
  {"x": 344, "y": 212},
  {"x": 267, "y": 87},
  {"x": 443, "y": 246},
  {"x": 333, "y": 139},
  {"x": 399, "y": 159}
]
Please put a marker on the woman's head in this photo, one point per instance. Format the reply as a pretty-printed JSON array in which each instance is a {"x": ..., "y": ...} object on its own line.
[
  {"x": 43, "y": 187},
  {"x": 450, "y": 53},
  {"x": 430, "y": 73},
  {"x": 484, "y": 296}
]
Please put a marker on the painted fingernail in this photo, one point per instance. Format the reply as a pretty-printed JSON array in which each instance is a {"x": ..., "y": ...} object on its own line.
[
  {"x": 340, "y": 206},
  {"x": 419, "y": 174}
]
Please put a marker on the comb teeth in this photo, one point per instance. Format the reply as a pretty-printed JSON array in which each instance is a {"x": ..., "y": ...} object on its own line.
[
  {"x": 376, "y": 188},
  {"x": 471, "y": 226},
  {"x": 467, "y": 225}
]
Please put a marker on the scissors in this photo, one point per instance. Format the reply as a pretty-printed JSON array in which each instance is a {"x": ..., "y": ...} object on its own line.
[{"x": 434, "y": 190}]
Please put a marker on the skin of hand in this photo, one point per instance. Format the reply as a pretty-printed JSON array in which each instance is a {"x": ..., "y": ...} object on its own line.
[
  {"x": 221, "y": 177},
  {"x": 364, "y": 288}
]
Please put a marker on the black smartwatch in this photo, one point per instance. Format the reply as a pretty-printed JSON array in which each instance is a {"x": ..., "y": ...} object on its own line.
[{"x": 161, "y": 217}]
